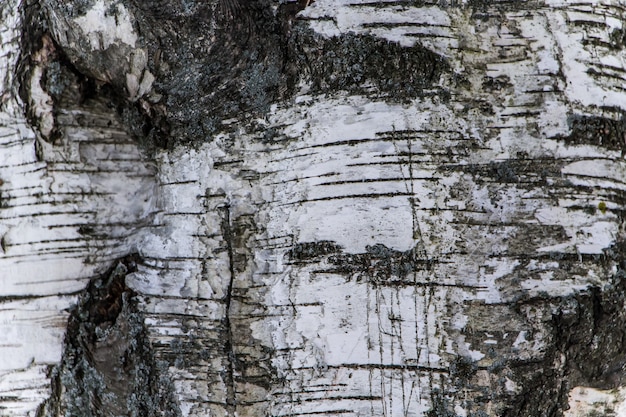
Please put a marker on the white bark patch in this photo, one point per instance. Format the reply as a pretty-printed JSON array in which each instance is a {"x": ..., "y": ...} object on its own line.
[
  {"x": 91, "y": 179},
  {"x": 49, "y": 210},
  {"x": 32, "y": 329},
  {"x": 587, "y": 401},
  {"x": 595, "y": 75},
  {"x": 107, "y": 22}
]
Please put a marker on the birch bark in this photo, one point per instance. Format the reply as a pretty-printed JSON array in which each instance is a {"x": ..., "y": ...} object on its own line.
[{"x": 275, "y": 208}]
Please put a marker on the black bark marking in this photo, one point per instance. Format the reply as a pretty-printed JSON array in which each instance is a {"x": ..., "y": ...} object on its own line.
[
  {"x": 522, "y": 171},
  {"x": 379, "y": 265},
  {"x": 312, "y": 250},
  {"x": 499, "y": 83},
  {"x": 605, "y": 132},
  {"x": 618, "y": 38}
]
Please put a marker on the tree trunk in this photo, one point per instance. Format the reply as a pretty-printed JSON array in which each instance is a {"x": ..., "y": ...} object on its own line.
[{"x": 275, "y": 208}]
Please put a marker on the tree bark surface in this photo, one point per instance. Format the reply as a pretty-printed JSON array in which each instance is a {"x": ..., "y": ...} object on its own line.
[{"x": 272, "y": 208}]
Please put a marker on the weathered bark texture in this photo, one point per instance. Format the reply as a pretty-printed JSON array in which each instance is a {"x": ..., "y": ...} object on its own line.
[{"x": 275, "y": 208}]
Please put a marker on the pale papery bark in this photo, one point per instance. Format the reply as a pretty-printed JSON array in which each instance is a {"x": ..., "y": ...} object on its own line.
[{"x": 310, "y": 234}]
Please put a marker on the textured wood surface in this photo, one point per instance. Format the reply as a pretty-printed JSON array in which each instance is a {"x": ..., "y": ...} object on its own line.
[{"x": 345, "y": 252}]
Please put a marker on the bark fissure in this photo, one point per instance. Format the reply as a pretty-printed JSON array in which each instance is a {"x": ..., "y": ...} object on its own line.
[{"x": 229, "y": 344}]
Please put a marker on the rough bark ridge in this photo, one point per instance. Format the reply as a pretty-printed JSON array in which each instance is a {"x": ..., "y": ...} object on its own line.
[{"x": 343, "y": 208}]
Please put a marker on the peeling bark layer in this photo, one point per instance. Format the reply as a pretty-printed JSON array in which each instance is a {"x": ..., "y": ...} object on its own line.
[{"x": 381, "y": 209}]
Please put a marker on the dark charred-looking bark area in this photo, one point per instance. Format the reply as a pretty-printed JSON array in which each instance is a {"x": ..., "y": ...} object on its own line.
[
  {"x": 365, "y": 64},
  {"x": 586, "y": 346},
  {"x": 378, "y": 265},
  {"x": 588, "y": 349},
  {"x": 584, "y": 339},
  {"x": 108, "y": 368},
  {"x": 223, "y": 59}
]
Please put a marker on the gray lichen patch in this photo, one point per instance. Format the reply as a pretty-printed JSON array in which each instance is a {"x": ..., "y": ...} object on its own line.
[{"x": 108, "y": 368}]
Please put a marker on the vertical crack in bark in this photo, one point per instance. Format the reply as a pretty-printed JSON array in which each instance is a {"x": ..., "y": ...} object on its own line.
[{"x": 229, "y": 348}]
